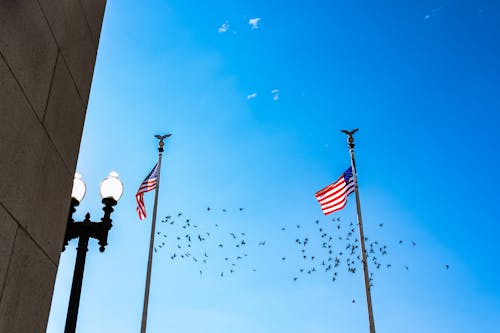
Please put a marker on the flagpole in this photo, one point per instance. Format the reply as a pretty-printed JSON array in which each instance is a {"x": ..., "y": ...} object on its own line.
[
  {"x": 350, "y": 141},
  {"x": 152, "y": 238}
]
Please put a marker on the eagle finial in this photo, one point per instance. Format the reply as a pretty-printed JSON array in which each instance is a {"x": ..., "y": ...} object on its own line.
[
  {"x": 350, "y": 138},
  {"x": 161, "y": 143}
]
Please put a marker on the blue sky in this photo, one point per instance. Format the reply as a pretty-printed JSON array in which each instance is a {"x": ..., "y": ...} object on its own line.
[{"x": 420, "y": 80}]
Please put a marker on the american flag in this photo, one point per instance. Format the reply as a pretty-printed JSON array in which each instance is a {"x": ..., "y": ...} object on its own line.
[
  {"x": 147, "y": 185},
  {"x": 334, "y": 196}
]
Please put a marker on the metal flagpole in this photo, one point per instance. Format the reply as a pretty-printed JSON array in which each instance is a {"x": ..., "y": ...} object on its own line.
[
  {"x": 350, "y": 141},
  {"x": 151, "y": 241}
]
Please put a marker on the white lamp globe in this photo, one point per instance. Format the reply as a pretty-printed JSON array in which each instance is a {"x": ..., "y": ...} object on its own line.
[
  {"x": 79, "y": 188},
  {"x": 111, "y": 186}
]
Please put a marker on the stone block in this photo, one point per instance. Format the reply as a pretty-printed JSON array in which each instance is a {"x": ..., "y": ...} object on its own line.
[
  {"x": 65, "y": 115},
  {"x": 25, "y": 303},
  {"x": 37, "y": 182},
  {"x": 8, "y": 229},
  {"x": 94, "y": 12},
  {"x": 29, "y": 48},
  {"x": 72, "y": 33}
]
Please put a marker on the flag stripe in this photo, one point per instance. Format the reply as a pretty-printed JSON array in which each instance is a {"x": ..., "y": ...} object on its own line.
[
  {"x": 338, "y": 194},
  {"x": 329, "y": 187},
  {"x": 334, "y": 196},
  {"x": 333, "y": 189},
  {"x": 339, "y": 201},
  {"x": 149, "y": 184}
]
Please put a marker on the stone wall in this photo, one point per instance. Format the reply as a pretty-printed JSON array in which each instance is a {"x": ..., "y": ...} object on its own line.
[{"x": 47, "y": 56}]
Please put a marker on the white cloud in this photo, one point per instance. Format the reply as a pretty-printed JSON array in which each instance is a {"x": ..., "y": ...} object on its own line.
[
  {"x": 434, "y": 12},
  {"x": 224, "y": 27},
  {"x": 254, "y": 22},
  {"x": 252, "y": 96},
  {"x": 276, "y": 94}
]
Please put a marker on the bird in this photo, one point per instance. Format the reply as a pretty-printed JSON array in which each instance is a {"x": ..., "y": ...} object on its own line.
[
  {"x": 447, "y": 266},
  {"x": 179, "y": 214},
  {"x": 413, "y": 243},
  {"x": 208, "y": 209},
  {"x": 295, "y": 279},
  {"x": 233, "y": 235},
  {"x": 353, "y": 301},
  {"x": 241, "y": 209}
]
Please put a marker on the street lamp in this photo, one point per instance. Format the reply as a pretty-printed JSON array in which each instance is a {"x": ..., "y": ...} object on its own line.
[{"x": 111, "y": 189}]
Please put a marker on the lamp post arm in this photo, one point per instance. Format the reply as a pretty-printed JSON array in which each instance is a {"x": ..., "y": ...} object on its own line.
[{"x": 69, "y": 234}]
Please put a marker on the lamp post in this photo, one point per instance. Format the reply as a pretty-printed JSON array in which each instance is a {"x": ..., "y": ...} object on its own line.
[{"x": 111, "y": 189}]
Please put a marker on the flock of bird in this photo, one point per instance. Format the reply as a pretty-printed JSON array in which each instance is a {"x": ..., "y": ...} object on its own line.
[
  {"x": 334, "y": 250},
  {"x": 203, "y": 244},
  {"x": 341, "y": 251}
]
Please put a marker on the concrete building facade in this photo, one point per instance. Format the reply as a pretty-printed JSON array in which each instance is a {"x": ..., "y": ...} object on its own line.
[{"x": 47, "y": 55}]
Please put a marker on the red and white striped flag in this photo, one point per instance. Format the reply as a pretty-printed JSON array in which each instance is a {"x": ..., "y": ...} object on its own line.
[
  {"x": 147, "y": 185},
  {"x": 334, "y": 196}
]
